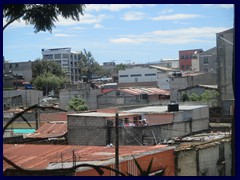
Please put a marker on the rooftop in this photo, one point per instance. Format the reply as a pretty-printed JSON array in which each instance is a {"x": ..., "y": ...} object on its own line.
[
  {"x": 40, "y": 156},
  {"x": 100, "y": 114}
]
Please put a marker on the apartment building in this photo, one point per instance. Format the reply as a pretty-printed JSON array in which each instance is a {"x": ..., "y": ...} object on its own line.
[{"x": 67, "y": 59}]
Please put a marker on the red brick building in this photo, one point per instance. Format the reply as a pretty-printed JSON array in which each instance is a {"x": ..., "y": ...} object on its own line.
[{"x": 185, "y": 58}]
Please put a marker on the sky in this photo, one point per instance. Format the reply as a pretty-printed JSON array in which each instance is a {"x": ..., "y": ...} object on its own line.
[{"x": 125, "y": 33}]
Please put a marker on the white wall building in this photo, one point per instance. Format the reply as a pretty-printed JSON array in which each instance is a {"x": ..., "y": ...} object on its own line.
[
  {"x": 149, "y": 73},
  {"x": 67, "y": 59}
]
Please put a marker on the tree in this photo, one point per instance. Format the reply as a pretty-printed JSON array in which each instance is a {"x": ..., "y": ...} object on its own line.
[
  {"x": 77, "y": 104},
  {"x": 49, "y": 82},
  {"x": 42, "y": 16},
  {"x": 88, "y": 65},
  {"x": 120, "y": 67},
  {"x": 40, "y": 67}
]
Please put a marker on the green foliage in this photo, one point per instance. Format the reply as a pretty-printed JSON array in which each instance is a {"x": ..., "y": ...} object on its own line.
[
  {"x": 48, "y": 82},
  {"x": 41, "y": 16},
  {"x": 88, "y": 65},
  {"x": 207, "y": 96},
  {"x": 77, "y": 104},
  {"x": 40, "y": 67},
  {"x": 120, "y": 67}
]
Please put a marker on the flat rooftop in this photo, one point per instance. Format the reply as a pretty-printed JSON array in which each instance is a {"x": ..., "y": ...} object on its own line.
[
  {"x": 162, "y": 109},
  {"x": 101, "y": 114}
]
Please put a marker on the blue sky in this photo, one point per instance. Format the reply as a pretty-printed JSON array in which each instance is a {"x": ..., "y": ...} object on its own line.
[{"x": 136, "y": 33}]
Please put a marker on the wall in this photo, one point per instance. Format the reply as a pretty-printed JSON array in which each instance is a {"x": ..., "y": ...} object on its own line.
[
  {"x": 161, "y": 159},
  {"x": 87, "y": 131},
  {"x": 29, "y": 97},
  {"x": 203, "y": 160},
  {"x": 83, "y": 91}
]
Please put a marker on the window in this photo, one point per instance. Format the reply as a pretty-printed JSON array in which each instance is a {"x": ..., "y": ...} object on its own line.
[
  {"x": 186, "y": 57},
  {"x": 57, "y": 56},
  {"x": 143, "y": 96},
  {"x": 136, "y": 75},
  {"x": 182, "y": 67},
  {"x": 187, "y": 67},
  {"x": 48, "y": 56},
  {"x": 153, "y": 74},
  {"x": 123, "y": 76},
  {"x": 182, "y": 57},
  {"x": 205, "y": 61},
  {"x": 65, "y": 56}
]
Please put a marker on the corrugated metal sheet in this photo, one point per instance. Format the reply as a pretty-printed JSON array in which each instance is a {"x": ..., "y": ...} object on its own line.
[
  {"x": 39, "y": 156},
  {"x": 50, "y": 130},
  {"x": 53, "y": 117},
  {"x": 149, "y": 91}
]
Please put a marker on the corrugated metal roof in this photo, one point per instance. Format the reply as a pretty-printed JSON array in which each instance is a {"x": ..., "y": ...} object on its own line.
[
  {"x": 50, "y": 130},
  {"x": 149, "y": 91},
  {"x": 53, "y": 116},
  {"x": 39, "y": 156}
]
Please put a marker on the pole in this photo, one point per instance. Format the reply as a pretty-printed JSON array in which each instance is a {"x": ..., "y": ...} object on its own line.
[{"x": 116, "y": 145}]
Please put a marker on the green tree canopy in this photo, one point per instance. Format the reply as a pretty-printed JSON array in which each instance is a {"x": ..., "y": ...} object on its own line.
[
  {"x": 77, "y": 104},
  {"x": 120, "y": 67},
  {"x": 42, "y": 16},
  {"x": 89, "y": 67},
  {"x": 48, "y": 82},
  {"x": 40, "y": 67}
]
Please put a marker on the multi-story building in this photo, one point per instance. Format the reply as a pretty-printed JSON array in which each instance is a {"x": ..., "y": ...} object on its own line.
[
  {"x": 67, "y": 59},
  {"x": 206, "y": 61},
  {"x": 225, "y": 68},
  {"x": 185, "y": 58}
]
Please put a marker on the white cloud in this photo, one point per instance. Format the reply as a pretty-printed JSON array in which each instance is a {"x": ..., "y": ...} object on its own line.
[
  {"x": 124, "y": 40},
  {"x": 115, "y": 7},
  {"x": 97, "y": 26},
  {"x": 225, "y": 6},
  {"x": 64, "y": 35},
  {"x": 166, "y": 11},
  {"x": 176, "y": 36},
  {"x": 133, "y": 16},
  {"x": 176, "y": 17}
]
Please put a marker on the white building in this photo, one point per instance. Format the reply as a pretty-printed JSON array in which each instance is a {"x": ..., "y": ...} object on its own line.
[
  {"x": 158, "y": 75},
  {"x": 67, "y": 59}
]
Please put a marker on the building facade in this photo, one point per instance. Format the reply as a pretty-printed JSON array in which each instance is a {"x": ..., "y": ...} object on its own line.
[
  {"x": 157, "y": 75},
  {"x": 185, "y": 58},
  {"x": 225, "y": 68},
  {"x": 67, "y": 59}
]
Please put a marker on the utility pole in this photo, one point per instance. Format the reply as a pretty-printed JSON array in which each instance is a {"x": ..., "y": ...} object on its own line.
[{"x": 116, "y": 145}]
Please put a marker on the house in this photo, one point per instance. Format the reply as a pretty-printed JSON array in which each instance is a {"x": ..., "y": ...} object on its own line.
[
  {"x": 60, "y": 157},
  {"x": 185, "y": 58},
  {"x": 225, "y": 47},
  {"x": 142, "y": 126},
  {"x": 188, "y": 79},
  {"x": 144, "y": 75},
  {"x": 207, "y": 154},
  {"x": 206, "y": 61},
  {"x": 132, "y": 96}
]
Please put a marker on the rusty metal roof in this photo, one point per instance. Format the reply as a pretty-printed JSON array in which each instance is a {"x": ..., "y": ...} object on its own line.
[
  {"x": 53, "y": 116},
  {"x": 50, "y": 130},
  {"x": 39, "y": 156},
  {"x": 149, "y": 91}
]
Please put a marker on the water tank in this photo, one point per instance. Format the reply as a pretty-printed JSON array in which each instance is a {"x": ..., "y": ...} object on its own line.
[{"x": 173, "y": 107}]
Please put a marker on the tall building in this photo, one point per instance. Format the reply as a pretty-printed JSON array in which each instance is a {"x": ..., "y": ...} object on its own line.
[
  {"x": 185, "y": 58},
  {"x": 67, "y": 59}
]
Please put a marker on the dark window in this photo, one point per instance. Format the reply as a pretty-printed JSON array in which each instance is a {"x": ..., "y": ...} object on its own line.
[
  {"x": 57, "y": 56},
  {"x": 136, "y": 75},
  {"x": 182, "y": 67},
  {"x": 186, "y": 57},
  {"x": 182, "y": 57},
  {"x": 123, "y": 76},
  {"x": 153, "y": 74},
  {"x": 187, "y": 67},
  {"x": 205, "y": 61},
  {"x": 143, "y": 96}
]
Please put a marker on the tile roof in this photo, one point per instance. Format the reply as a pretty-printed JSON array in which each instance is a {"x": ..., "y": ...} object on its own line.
[
  {"x": 39, "y": 156},
  {"x": 50, "y": 130}
]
